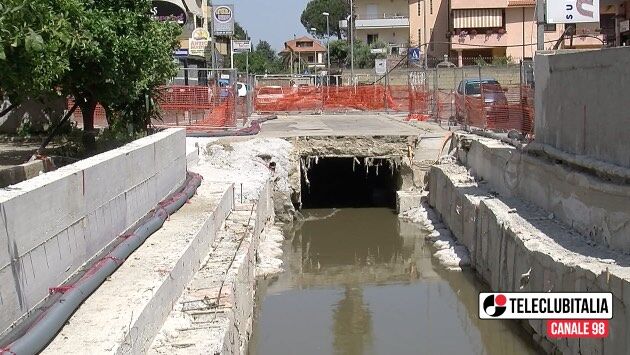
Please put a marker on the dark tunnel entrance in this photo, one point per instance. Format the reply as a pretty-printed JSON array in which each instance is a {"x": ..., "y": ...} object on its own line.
[{"x": 338, "y": 182}]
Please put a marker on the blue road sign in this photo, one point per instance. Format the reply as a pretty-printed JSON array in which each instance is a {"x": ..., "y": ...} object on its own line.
[{"x": 414, "y": 54}]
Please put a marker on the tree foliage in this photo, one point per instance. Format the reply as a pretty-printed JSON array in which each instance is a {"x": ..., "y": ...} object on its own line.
[
  {"x": 128, "y": 56},
  {"x": 312, "y": 16},
  {"x": 98, "y": 51},
  {"x": 363, "y": 58},
  {"x": 36, "y": 38},
  {"x": 262, "y": 60}
]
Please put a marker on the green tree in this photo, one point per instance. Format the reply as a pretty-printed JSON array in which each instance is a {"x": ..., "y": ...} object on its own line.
[
  {"x": 127, "y": 57},
  {"x": 264, "y": 48},
  {"x": 312, "y": 16},
  {"x": 339, "y": 52},
  {"x": 239, "y": 32},
  {"x": 36, "y": 37}
]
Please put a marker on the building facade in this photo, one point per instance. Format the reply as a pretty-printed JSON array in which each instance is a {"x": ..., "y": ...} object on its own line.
[
  {"x": 304, "y": 54},
  {"x": 502, "y": 30},
  {"x": 382, "y": 21}
]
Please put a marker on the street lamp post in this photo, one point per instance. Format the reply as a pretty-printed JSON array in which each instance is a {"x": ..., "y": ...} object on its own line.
[
  {"x": 314, "y": 30},
  {"x": 327, "y": 42}
]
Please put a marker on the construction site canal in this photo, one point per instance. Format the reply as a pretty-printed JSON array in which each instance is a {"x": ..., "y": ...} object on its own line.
[{"x": 362, "y": 281}]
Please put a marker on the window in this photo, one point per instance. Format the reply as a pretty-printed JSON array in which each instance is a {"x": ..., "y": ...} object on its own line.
[
  {"x": 550, "y": 27},
  {"x": 311, "y": 59},
  {"x": 419, "y": 9},
  {"x": 431, "y": 6},
  {"x": 420, "y": 37},
  {"x": 371, "y": 38},
  {"x": 432, "y": 45}
]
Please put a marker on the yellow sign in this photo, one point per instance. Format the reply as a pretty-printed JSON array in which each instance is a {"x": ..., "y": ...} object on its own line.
[{"x": 200, "y": 33}]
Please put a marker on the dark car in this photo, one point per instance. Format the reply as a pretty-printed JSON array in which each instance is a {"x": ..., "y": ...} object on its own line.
[{"x": 469, "y": 97}]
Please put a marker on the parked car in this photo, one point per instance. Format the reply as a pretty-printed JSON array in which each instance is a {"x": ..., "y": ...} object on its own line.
[
  {"x": 268, "y": 97},
  {"x": 242, "y": 89},
  {"x": 469, "y": 93},
  {"x": 269, "y": 93}
]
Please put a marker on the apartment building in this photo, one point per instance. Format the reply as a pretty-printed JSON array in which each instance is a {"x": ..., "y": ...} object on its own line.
[
  {"x": 382, "y": 20},
  {"x": 468, "y": 29}
]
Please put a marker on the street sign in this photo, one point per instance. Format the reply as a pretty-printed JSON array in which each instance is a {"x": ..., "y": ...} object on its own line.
[
  {"x": 223, "y": 20},
  {"x": 572, "y": 11},
  {"x": 241, "y": 46},
  {"x": 182, "y": 52},
  {"x": 378, "y": 50},
  {"x": 380, "y": 66},
  {"x": 414, "y": 54}
]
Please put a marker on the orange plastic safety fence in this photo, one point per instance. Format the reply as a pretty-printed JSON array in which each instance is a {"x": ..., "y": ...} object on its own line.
[
  {"x": 331, "y": 98},
  {"x": 187, "y": 106},
  {"x": 197, "y": 106},
  {"x": 502, "y": 109},
  {"x": 419, "y": 103}
]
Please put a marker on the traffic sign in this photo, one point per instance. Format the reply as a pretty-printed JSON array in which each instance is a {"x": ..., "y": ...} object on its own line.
[
  {"x": 414, "y": 54},
  {"x": 380, "y": 66}
]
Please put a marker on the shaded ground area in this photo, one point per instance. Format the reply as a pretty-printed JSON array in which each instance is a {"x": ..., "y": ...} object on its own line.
[{"x": 16, "y": 153}]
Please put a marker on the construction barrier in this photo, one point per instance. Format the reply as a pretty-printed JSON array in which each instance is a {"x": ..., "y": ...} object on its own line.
[
  {"x": 275, "y": 99},
  {"x": 500, "y": 109},
  {"x": 186, "y": 106},
  {"x": 197, "y": 106}
]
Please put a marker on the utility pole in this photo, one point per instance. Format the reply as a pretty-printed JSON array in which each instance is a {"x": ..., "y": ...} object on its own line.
[
  {"x": 540, "y": 20},
  {"x": 327, "y": 42},
  {"x": 352, "y": 41},
  {"x": 213, "y": 44},
  {"x": 424, "y": 34}
]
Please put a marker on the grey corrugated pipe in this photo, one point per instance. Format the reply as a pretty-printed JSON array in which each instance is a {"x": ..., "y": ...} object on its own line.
[{"x": 44, "y": 330}]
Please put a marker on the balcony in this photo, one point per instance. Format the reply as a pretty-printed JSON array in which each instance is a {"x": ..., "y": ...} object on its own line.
[
  {"x": 470, "y": 40},
  {"x": 378, "y": 21},
  {"x": 471, "y": 4}
]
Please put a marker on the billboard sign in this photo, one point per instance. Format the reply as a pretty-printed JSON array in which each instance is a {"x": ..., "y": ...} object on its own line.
[
  {"x": 198, "y": 43},
  {"x": 223, "y": 20},
  {"x": 572, "y": 11},
  {"x": 168, "y": 11}
]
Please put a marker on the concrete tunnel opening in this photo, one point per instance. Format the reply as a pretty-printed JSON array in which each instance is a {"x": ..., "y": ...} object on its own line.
[{"x": 349, "y": 182}]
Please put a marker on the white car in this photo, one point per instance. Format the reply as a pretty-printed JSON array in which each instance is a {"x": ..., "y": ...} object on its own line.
[{"x": 242, "y": 89}]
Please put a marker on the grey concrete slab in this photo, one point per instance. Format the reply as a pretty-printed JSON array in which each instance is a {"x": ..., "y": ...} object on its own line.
[{"x": 362, "y": 124}]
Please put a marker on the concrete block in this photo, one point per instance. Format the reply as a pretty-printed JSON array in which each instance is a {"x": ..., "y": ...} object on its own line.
[
  {"x": 170, "y": 148},
  {"x": 140, "y": 161},
  {"x": 140, "y": 199},
  {"x": 45, "y": 206},
  {"x": 406, "y": 200}
]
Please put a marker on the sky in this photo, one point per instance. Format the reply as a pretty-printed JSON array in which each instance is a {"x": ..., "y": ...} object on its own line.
[{"x": 275, "y": 21}]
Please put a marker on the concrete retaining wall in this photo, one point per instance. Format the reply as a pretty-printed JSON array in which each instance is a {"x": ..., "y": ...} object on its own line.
[
  {"x": 581, "y": 103},
  {"x": 52, "y": 224},
  {"x": 509, "y": 240},
  {"x": 595, "y": 208}
]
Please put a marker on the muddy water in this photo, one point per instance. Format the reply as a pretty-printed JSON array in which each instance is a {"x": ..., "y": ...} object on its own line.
[{"x": 358, "y": 281}]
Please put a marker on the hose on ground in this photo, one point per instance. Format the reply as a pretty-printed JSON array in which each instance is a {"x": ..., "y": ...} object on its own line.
[
  {"x": 251, "y": 130},
  {"x": 44, "y": 330}
]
